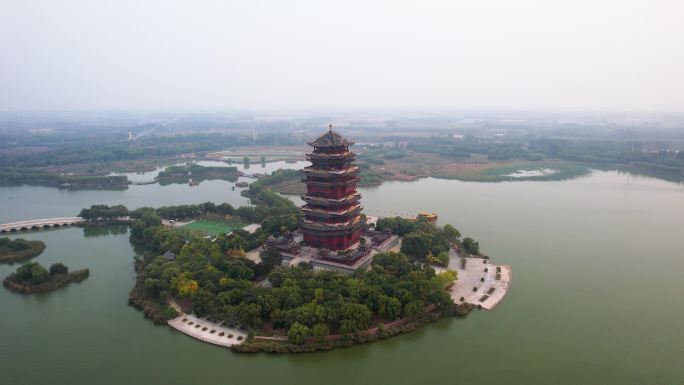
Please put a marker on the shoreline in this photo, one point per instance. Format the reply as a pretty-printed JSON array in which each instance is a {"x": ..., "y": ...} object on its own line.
[
  {"x": 467, "y": 279},
  {"x": 206, "y": 331}
]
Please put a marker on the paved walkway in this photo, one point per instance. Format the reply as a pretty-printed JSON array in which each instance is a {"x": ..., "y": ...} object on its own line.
[
  {"x": 201, "y": 329},
  {"x": 490, "y": 292}
]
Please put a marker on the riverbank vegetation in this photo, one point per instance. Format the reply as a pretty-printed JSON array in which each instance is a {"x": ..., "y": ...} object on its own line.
[
  {"x": 656, "y": 159},
  {"x": 19, "y": 249},
  {"x": 19, "y": 176},
  {"x": 34, "y": 278}
]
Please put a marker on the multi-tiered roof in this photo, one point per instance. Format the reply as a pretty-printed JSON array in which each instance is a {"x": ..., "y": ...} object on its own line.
[{"x": 332, "y": 213}]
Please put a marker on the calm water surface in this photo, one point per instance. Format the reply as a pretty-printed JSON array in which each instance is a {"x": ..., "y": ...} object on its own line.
[
  {"x": 596, "y": 296},
  {"x": 33, "y": 202}
]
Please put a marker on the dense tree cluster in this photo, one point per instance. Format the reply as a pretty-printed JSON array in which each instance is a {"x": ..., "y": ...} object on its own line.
[
  {"x": 219, "y": 282},
  {"x": 104, "y": 212},
  {"x": 196, "y": 172},
  {"x": 471, "y": 246},
  {"x": 423, "y": 240},
  {"x": 18, "y": 249},
  {"x": 17, "y": 244},
  {"x": 35, "y": 273}
]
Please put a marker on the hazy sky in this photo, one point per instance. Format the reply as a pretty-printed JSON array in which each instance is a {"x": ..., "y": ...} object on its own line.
[{"x": 485, "y": 54}]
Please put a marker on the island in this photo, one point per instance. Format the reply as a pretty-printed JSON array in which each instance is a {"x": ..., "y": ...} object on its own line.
[
  {"x": 303, "y": 279},
  {"x": 34, "y": 278},
  {"x": 19, "y": 249},
  {"x": 194, "y": 173}
]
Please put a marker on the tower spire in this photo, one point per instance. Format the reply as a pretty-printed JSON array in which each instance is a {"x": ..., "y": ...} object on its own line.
[{"x": 330, "y": 127}]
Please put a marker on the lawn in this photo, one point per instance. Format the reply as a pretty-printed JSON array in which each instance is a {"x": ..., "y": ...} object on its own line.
[{"x": 213, "y": 227}]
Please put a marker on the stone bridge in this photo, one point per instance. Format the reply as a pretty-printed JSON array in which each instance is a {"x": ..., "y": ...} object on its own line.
[{"x": 39, "y": 224}]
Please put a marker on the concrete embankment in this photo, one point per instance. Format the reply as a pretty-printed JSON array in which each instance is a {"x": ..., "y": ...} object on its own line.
[{"x": 210, "y": 332}]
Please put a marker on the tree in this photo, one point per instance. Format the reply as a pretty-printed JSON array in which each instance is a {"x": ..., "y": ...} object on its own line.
[
  {"x": 320, "y": 330},
  {"x": 270, "y": 258},
  {"x": 446, "y": 278},
  {"x": 381, "y": 329},
  {"x": 297, "y": 333},
  {"x": 441, "y": 259},
  {"x": 347, "y": 328},
  {"x": 471, "y": 246},
  {"x": 451, "y": 233},
  {"x": 24, "y": 271},
  {"x": 250, "y": 315},
  {"x": 416, "y": 245},
  {"x": 58, "y": 268},
  {"x": 390, "y": 308},
  {"x": 39, "y": 274},
  {"x": 414, "y": 309},
  {"x": 188, "y": 287}
]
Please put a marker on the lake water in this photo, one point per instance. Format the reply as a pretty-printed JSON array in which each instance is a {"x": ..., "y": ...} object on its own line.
[
  {"x": 596, "y": 296},
  {"x": 34, "y": 202}
]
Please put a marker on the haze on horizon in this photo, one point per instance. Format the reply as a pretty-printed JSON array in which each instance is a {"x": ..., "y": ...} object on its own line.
[{"x": 596, "y": 55}]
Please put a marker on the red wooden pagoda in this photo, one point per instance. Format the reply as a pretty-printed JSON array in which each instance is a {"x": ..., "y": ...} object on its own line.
[{"x": 332, "y": 213}]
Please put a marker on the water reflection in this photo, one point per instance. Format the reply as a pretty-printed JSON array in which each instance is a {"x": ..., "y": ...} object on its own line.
[{"x": 104, "y": 230}]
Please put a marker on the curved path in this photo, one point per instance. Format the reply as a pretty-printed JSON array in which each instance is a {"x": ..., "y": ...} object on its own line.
[
  {"x": 35, "y": 224},
  {"x": 207, "y": 331}
]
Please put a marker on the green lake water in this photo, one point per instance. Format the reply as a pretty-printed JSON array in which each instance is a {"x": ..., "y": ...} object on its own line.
[{"x": 596, "y": 298}]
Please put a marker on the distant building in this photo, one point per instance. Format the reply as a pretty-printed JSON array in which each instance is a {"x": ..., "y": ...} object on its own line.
[{"x": 170, "y": 256}]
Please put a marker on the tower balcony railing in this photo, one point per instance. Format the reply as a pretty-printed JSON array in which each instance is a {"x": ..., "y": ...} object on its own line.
[
  {"x": 323, "y": 156},
  {"x": 354, "y": 224},
  {"x": 323, "y": 213},
  {"x": 313, "y": 171},
  {"x": 331, "y": 183},
  {"x": 325, "y": 201}
]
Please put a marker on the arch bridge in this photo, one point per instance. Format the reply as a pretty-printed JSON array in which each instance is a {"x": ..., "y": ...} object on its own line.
[{"x": 36, "y": 224}]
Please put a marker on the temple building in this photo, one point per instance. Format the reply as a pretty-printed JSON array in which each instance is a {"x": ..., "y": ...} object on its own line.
[
  {"x": 334, "y": 234},
  {"x": 332, "y": 213}
]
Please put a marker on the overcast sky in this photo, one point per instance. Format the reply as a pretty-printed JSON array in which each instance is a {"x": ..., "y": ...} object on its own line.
[{"x": 484, "y": 54}]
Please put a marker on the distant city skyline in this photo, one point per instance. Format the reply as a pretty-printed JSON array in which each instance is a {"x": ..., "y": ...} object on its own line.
[{"x": 528, "y": 55}]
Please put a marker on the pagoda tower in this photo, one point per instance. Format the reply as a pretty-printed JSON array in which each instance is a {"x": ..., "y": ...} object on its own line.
[{"x": 332, "y": 213}]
